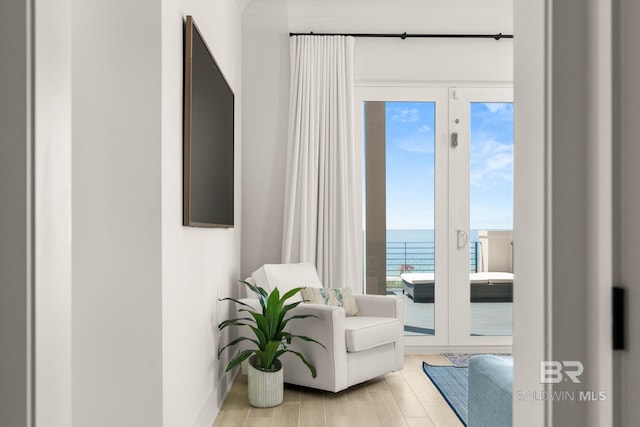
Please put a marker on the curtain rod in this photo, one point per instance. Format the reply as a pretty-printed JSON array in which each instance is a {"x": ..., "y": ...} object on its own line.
[{"x": 406, "y": 36}]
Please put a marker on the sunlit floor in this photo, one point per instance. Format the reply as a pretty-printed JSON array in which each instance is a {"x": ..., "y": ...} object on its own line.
[
  {"x": 403, "y": 398},
  {"x": 487, "y": 318}
]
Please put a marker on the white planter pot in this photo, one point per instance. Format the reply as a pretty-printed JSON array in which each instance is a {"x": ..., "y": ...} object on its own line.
[{"x": 266, "y": 388}]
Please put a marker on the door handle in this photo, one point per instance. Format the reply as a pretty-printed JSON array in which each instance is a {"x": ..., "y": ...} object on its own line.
[{"x": 462, "y": 238}]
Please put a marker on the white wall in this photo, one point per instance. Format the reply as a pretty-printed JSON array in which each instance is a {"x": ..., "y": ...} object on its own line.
[
  {"x": 377, "y": 61},
  {"x": 265, "y": 82},
  {"x": 198, "y": 264},
  {"x": 496, "y": 249},
  {"x": 48, "y": 97},
  {"x": 145, "y": 288},
  {"x": 53, "y": 213},
  {"x": 530, "y": 207},
  {"x": 116, "y": 212}
]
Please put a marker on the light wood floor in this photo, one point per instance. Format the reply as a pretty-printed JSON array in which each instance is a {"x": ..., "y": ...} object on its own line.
[{"x": 403, "y": 398}]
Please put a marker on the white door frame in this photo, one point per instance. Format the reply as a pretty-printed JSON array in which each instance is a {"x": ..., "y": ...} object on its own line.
[
  {"x": 555, "y": 95},
  {"x": 452, "y": 326}
]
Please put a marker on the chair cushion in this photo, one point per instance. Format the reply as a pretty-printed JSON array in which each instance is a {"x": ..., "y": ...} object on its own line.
[
  {"x": 418, "y": 278},
  {"x": 491, "y": 277},
  {"x": 340, "y": 297},
  {"x": 286, "y": 277},
  {"x": 482, "y": 277},
  {"x": 364, "y": 332}
]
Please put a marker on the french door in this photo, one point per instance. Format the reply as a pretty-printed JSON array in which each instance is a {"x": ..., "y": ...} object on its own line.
[
  {"x": 481, "y": 215},
  {"x": 438, "y": 209}
]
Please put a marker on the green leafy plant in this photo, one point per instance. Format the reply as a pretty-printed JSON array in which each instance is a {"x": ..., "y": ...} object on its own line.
[{"x": 271, "y": 340}]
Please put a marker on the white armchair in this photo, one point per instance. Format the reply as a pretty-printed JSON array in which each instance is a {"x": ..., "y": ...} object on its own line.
[{"x": 358, "y": 348}]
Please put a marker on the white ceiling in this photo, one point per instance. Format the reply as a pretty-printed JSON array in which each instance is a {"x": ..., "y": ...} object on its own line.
[{"x": 396, "y": 3}]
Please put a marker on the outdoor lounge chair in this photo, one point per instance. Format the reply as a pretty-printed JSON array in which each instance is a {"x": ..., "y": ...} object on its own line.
[{"x": 485, "y": 286}]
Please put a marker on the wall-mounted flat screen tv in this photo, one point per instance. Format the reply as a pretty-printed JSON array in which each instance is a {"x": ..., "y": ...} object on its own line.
[{"x": 208, "y": 146}]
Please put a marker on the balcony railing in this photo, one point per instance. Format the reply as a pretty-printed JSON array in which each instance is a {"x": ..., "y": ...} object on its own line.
[{"x": 419, "y": 257}]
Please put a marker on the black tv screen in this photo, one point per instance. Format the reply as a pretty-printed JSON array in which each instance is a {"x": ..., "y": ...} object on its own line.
[{"x": 208, "y": 137}]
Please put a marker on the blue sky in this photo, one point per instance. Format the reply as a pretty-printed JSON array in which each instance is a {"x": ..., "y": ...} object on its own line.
[
  {"x": 410, "y": 153},
  {"x": 410, "y": 128},
  {"x": 491, "y": 169}
]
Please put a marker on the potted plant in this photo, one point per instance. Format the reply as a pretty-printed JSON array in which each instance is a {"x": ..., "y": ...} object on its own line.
[
  {"x": 405, "y": 267},
  {"x": 270, "y": 341}
]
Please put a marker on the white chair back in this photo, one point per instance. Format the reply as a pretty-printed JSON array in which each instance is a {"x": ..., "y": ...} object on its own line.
[{"x": 286, "y": 277}]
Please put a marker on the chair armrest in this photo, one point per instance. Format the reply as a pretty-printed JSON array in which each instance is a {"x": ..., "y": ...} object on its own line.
[
  {"x": 380, "y": 305},
  {"x": 331, "y": 364},
  {"x": 328, "y": 329}
]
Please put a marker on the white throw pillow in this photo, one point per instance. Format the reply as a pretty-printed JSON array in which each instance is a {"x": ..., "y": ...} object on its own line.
[{"x": 340, "y": 297}]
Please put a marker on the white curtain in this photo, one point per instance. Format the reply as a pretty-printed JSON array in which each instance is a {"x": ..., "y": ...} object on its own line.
[{"x": 323, "y": 199}]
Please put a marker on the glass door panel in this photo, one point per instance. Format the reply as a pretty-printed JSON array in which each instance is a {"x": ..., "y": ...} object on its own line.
[
  {"x": 403, "y": 132},
  {"x": 491, "y": 218},
  {"x": 410, "y": 205},
  {"x": 400, "y": 151},
  {"x": 481, "y": 205}
]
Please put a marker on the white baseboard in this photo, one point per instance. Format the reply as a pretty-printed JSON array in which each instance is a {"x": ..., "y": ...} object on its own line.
[{"x": 211, "y": 406}]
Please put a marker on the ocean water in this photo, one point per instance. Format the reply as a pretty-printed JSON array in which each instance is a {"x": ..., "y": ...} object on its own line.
[{"x": 416, "y": 249}]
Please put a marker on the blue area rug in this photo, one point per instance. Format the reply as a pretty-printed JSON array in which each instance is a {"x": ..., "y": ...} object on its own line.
[
  {"x": 452, "y": 383},
  {"x": 461, "y": 360}
]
